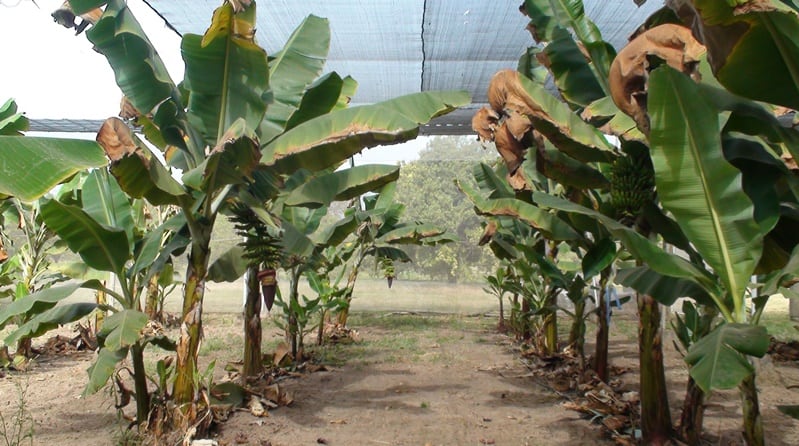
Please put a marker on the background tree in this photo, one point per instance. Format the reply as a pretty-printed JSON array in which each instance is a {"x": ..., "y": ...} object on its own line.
[{"x": 426, "y": 188}]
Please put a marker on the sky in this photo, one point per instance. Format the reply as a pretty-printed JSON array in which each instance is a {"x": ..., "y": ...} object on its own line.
[{"x": 51, "y": 73}]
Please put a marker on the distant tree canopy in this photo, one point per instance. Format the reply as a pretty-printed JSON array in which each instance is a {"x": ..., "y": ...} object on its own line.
[{"x": 427, "y": 189}]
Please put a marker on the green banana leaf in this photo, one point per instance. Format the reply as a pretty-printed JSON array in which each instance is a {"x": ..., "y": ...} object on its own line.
[
  {"x": 563, "y": 128},
  {"x": 103, "y": 368},
  {"x": 150, "y": 180},
  {"x": 753, "y": 52},
  {"x": 548, "y": 15},
  {"x": 155, "y": 243},
  {"x": 228, "y": 267},
  {"x": 32, "y": 166},
  {"x": 719, "y": 360},
  {"x": 101, "y": 247},
  {"x": 639, "y": 246},
  {"x": 122, "y": 329},
  {"x": 598, "y": 257},
  {"x": 40, "y": 301},
  {"x": 226, "y": 74},
  {"x": 553, "y": 227},
  {"x": 84, "y": 6},
  {"x": 568, "y": 171},
  {"x": 50, "y": 319},
  {"x": 571, "y": 71},
  {"x": 488, "y": 180},
  {"x": 292, "y": 71},
  {"x": 11, "y": 122},
  {"x": 321, "y": 97},
  {"x": 143, "y": 78},
  {"x": 329, "y": 139},
  {"x": 415, "y": 234},
  {"x": 105, "y": 202},
  {"x": 664, "y": 289},
  {"x": 232, "y": 162},
  {"x": 698, "y": 186},
  {"x": 342, "y": 185}
]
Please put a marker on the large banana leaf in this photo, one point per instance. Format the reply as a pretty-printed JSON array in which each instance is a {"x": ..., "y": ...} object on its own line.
[
  {"x": 101, "y": 247},
  {"x": 293, "y": 69},
  {"x": 105, "y": 202},
  {"x": 546, "y": 222},
  {"x": 233, "y": 161},
  {"x": 140, "y": 72},
  {"x": 562, "y": 127},
  {"x": 50, "y": 319},
  {"x": 488, "y": 180},
  {"x": 226, "y": 74},
  {"x": 102, "y": 369},
  {"x": 639, "y": 246},
  {"x": 571, "y": 71},
  {"x": 12, "y": 123},
  {"x": 342, "y": 185},
  {"x": 321, "y": 97},
  {"x": 566, "y": 170},
  {"x": 664, "y": 289},
  {"x": 719, "y": 360},
  {"x": 415, "y": 234},
  {"x": 698, "y": 186},
  {"x": 228, "y": 267},
  {"x": 753, "y": 51},
  {"x": 598, "y": 257},
  {"x": 329, "y": 139},
  {"x": 122, "y": 329},
  {"x": 151, "y": 180},
  {"x": 548, "y": 15},
  {"x": 31, "y": 166},
  {"x": 84, "y": 6},
  {"x": 40, "y": 301}
]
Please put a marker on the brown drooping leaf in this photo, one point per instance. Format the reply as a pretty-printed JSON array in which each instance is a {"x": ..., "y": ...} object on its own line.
[
  {"x": 628, "y": 75},
  {"x": 484, "y": 123},
  {"x": 278, "y": 395},
  {"x": 127, "y": 110},
  {"x": 282, "y": 352},
  {"x": 488, "y": 232},
  {"x": 116, "y": 139}
]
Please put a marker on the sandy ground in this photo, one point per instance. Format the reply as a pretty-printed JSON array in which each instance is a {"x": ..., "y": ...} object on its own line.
[{"x": 452, "y": 382}]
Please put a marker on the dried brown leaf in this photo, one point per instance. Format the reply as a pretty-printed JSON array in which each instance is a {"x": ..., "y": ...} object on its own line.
[
  {"x": 116, "y": 139},
  {"x": 629, "y": 75}
]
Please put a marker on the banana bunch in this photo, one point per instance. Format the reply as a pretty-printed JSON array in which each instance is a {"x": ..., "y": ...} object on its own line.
[{"x": 632, "y": 185}]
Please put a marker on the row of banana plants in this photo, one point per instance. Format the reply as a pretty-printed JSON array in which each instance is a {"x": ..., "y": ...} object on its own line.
[
  {"x": 698, "y": 183},
  {"x": 254, "y": 136}
]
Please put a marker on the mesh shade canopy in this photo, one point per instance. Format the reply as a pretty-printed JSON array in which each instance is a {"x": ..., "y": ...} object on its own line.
[{"x": 396, "y": 47}]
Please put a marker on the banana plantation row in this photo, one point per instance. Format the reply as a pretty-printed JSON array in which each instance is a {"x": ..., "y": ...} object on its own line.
[{"x": 667, "y": 167}]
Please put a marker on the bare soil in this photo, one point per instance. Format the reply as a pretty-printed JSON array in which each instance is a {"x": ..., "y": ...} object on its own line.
[{"x": 409, "y": 380}]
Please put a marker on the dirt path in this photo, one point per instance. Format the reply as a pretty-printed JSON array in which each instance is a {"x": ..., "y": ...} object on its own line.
[
  {"x": 457, "y": 387},
  {"x": 409, "y": 380}
]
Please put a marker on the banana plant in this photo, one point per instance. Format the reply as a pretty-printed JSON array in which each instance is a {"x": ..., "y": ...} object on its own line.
[
  {"x": 33, "y": 270},
  {"x": 100, "y": 229},
  {"x": 213, "y": 129}
]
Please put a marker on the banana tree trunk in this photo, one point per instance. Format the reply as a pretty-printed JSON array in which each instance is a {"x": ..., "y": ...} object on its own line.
[
  {"x": 184, "y": 390},
  {"x": 693, "y": 413},
  {"x": 24, "y": 348},
  {"x": 752, "y": 419},
  {"x": 527, "y": 332},
  {"x": 140, "y": 384},
  {"x": 577, "y": 332},
  {"x": 551, "y": 324},
  {"x": 152, "y": 304},
  {"x": 344, "y": 313},
  {"x": 656, "y": 424},
  {"x": 501, "y": 323},
  {"x": 253, "y": 364},
  {"x": 603, "y": 330},
  {"x": 293, "y": 327},
  {"x": 99, "y": 314}
]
